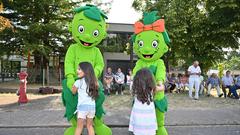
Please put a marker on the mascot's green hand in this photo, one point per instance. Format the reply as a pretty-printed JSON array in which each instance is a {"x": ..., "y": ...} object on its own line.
[{"x": 70, "y": 81}]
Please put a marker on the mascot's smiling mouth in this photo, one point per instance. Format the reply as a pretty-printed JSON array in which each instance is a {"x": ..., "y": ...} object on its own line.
[
  {"x": 86, "y": 43},
  {"x": 147, "y": 56}
]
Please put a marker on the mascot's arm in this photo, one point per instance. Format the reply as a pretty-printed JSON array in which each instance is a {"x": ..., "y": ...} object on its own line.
[
  {"x": 99, "y": 101},
  {"x": 137, "y": 67},
  {"x": 159, "y": 99},
  {"x": 99, "y": 63},
  {"x": 161, "y": 71},
  {"x": 69, "y": 66}
]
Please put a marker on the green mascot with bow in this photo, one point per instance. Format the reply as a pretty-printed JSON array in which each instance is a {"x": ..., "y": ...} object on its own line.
[
  {"x": 150, "y": 41},
  {"x": 88, "y": 29}
]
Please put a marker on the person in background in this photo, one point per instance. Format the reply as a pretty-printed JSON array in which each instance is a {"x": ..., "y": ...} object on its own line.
[
  {"x": 183, "y": 82},
  {"x": 166, "y": 83},
  {"x": 214, "y": 82},
  {"x": 201, "y": 87},
  {"x": 178, "y": 82},
  {"x": 194, "y": 72},
  {"x": 119, "y": 79},
  {"x": 172, "y": 81},
  {"x": 108, "y": 81},
  {"x": 235, "y": 87},
  {"x": 129, "y": 79},
  {"x": 227, "y": 82}
]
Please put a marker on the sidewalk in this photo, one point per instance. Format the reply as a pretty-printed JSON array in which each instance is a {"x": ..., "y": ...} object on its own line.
[
  {"x": 179, "y": 117},
  {"x": 54, "y": 118},
  {"x": 47, "y": 112},
  {"x": 13, "y": 86}
]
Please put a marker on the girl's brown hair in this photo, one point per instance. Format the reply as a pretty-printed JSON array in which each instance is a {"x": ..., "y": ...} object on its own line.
[
  {"x": 144, "y": 85},
  {"x": 90, "y": 78}
]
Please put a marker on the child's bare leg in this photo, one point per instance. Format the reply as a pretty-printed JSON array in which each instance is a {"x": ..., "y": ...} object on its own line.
[
  {"x": 79, "y": 126},
  {"x": 90, "y": 126}
]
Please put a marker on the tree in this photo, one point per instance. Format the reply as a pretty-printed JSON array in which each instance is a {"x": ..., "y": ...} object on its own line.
[
  {"x": 199, "y": 29},
  {"x": 9, "y": 43},
  {"x": 232, "y": 61},
  {"x": 114, "y": 43},
  {"x": 40, "y": 28}
]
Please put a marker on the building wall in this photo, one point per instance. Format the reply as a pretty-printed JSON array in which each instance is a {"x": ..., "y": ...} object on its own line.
[{"x": 116, "y": 60}]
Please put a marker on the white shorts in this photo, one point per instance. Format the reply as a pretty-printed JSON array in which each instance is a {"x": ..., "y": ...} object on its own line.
[{"x": 85, "y": 114}]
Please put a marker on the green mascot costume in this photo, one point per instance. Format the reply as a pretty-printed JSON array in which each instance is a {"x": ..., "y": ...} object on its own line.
[
  {"x": 88, "y": 29},
  {"x": 150, "y": 43}
]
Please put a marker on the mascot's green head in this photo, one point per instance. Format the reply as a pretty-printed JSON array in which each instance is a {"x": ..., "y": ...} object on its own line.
[
  {"x": 88, "y": 26},
  {"x": 150, "y": 39}
]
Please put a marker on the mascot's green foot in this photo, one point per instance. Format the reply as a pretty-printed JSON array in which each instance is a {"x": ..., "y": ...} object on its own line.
[
  {"x": 100, "y": 128},
  {"x": 70, "y": 131},
  {"x": 162, "y": 131}
]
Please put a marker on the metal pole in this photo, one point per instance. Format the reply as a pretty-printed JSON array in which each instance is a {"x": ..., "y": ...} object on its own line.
[
  {"x": 43, "y": 72},
  {"x": 43, "y": 77},
  {"x": 60, "y": 75},
  {"x": 48, "y": 74},
  {"x": 131, "y": 55},
  {"x": 60, "y": 69}
]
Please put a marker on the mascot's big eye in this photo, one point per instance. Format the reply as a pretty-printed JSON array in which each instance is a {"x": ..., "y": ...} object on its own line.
[
  {"x": 154, "y": 44},
  {"x": 81, "y": 29},
  {"x": 140, "y": 43},
  {"x": 95, "y": 33}
]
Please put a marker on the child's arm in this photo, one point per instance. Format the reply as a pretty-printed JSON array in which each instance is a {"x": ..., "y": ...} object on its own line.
[
  {"x": 74, "y": 89},
  {"x": 76, "y": 85}
]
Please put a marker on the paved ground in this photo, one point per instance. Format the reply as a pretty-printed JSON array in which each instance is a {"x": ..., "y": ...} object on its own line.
[
  {"x": 176, "y": 130},
  {"x": 44, "y": 115}
]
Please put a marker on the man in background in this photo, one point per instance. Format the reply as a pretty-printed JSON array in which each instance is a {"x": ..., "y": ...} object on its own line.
[
  {"x": 227, "y": 82},
  {"x": 194, "y": 72}
]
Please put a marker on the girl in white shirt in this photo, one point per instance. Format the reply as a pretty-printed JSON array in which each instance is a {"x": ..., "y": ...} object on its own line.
[{"x": 87, "y": 89}]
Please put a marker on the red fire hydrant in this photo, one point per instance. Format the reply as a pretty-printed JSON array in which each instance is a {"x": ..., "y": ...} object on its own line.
[{"x": 22, "y": 87}]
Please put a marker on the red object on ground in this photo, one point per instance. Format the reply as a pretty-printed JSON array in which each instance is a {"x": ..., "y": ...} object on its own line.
[{"x": 22, "y": 88}]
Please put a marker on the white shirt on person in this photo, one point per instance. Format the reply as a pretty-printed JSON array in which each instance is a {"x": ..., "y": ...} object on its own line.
[
  {"x": 193, "y": 69},
  {"x": 119, "y": 77},
  {"x": 129, "y": 79},
  {"x": 227, "y": 80},
  {"x": 83, "y": 97}
]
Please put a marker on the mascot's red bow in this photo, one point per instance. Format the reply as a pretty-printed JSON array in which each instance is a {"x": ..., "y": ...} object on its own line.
[{"x": 157, "y": 26}]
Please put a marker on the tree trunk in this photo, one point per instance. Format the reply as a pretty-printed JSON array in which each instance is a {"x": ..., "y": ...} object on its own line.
[{"x": 47, "y": 74}]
